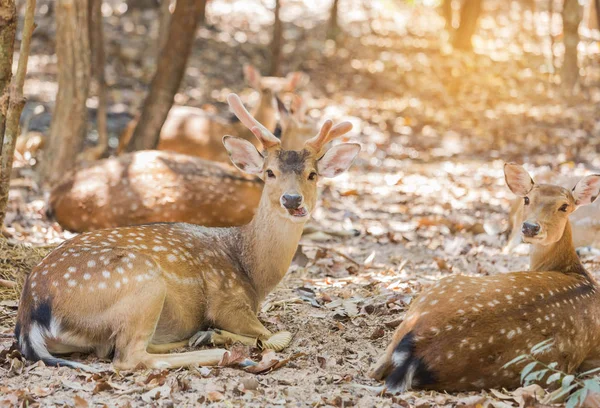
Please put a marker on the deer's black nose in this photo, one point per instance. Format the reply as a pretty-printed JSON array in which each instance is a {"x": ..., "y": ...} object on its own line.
[
  {"x": 530, "y": 229},
  {"x": 291, "y": 201}
]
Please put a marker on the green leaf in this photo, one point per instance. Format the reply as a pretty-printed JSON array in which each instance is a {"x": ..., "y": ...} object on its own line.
[
  {"x": 592, "y": 384},
  {"x": 589, "y": 372},
  {"x": 527, "y": 369},
  {"x": 515, "y": 360},
  {"x": 542, "y": 347},
  {"x": 563, "y": 392},
  {"x": 567, "y": 380},
  {"x": 552, "y": 365},
  {"x": 576, "y": 399},
  {"x": 541, "y": 344},
  {"x": 535, "y": 376},
  {"x": 554, "y": 377}
]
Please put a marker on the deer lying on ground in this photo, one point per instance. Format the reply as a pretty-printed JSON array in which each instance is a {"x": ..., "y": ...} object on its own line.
[
  {"x": 459, "y": 334},
  {"x": 196, "y": 132},
  {"x": 154, "y": 186},
  {"x": 585, "y": 223},
  {"x": 139, "y": 290}
]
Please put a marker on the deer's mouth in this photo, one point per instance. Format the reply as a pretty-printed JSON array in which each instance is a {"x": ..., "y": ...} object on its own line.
[{"x": 298, "y": 212}]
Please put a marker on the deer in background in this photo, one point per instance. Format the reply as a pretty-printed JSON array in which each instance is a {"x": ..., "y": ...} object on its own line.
[
  {"x": 140, "y": 291},
  {"x": 157, "y": 186},
  {"x": 196, "y": 132},
  {"x": 459, "y": 334}
]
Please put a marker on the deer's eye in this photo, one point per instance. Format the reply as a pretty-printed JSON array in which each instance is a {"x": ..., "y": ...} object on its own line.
[
  {"x": 563, "y": 207},
  {"x": 312, "y": 175},
  {"x": 526, "y": 200},
  {"x": 270, "y": 173}
]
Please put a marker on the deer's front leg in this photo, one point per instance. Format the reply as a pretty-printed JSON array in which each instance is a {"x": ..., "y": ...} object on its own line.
[{"x": 241, "y": 324}]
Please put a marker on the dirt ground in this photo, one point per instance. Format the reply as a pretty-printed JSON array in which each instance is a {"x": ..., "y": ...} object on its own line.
[{"x": 426, "y": 197}]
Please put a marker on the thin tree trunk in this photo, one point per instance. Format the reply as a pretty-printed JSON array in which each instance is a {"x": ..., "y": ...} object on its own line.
[
  {"x": 596, "y": 24},
  {"x": 169, "y": 73},
  {"x": 8, "y": 29},
  {"x": 333, "y": 27},
  {"x": 277, "y": 42},
  {"x": 469, "y": 14},
  {"x": 448, "y": 14},
  {"x": 96, "y": 35},
  {"x": 571, "y": 17},
  {"x": 163, "y": 26},
  {"x": 15, "y": 107},
  {"x": 69, "y": 121}
]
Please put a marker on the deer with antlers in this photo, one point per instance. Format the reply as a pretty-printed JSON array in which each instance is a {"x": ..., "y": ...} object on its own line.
[
  {"x": 459, "y": 334},
  {"x": 138, "y": 292},
  {"x": 158, "y": 186},
  {"x": 196, "y": 132}
]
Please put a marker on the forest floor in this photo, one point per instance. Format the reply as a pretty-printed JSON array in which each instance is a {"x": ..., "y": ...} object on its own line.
[{"x": 427, "y": 194}]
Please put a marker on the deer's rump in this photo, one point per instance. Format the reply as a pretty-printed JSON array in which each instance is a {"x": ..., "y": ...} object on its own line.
[{"x": 153, "y": 186}]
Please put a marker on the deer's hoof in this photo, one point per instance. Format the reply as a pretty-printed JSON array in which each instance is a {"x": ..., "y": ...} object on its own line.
[
  {"x": 277, "y": 342},
  {"x": 201, "y": 338}
]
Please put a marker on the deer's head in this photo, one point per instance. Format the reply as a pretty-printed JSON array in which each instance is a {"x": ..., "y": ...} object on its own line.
[
  {"x": 290, "y": 176},
  {"x": 546, "y": 207},
  {"x": 296, "y": 126}
]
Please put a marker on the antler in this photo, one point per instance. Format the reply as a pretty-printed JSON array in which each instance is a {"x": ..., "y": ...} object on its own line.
[
  {"x": 262, "y": 134},
  {"x": 327, "y": 133}
]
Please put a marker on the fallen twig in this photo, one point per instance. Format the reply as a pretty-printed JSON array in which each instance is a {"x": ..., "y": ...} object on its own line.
[{"x": 7, "y": 284}]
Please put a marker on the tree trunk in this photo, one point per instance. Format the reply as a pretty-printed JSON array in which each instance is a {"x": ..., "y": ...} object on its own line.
[
  {"x": 333, "y": 28},
  {"x": 141, "y": 4},
  {"x": 596, "y": 24},
  {"x": 96, "y": 35},
  {"x": 8, "y": 29},
  {"x": 15, "y": 107},
  {"x": 571, "y": 17},
  {"x": 469, "y": 14},
  {"x": 448, "y": 14},
  {"x": 169, "y": 73},
  {"x": 163, "y": 26},
  {"x": 69, "y": 121},
  {"x": 277, "y": 42}
]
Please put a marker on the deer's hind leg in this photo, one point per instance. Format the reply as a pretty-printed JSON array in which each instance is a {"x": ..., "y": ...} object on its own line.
[{"x": 137, "y": 327}]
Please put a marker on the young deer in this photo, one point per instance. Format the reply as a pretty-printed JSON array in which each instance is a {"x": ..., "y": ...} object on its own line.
[
  {"x": 154, "y": 186},
  {"x": 196, "y": 132},
  {"x": 139, "y": 290},
  {"x": 458, "y": 335}
]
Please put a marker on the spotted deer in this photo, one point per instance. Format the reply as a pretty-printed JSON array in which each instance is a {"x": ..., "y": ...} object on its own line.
[
  {"x": 138, "y": 292},
  {"x": 197, "y": 132},
  {"x": 459, "y": 334},
  {"x": 158, "y": 186}
]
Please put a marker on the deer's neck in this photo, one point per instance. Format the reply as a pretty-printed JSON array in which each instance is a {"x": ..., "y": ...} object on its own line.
[
  {"x": 269, "y": 243},
  {"x": 560, "y": 256}
]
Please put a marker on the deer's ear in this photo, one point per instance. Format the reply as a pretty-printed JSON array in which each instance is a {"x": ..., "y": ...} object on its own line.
[
  {"x": 296, "y": 80},
  {"x": 518, "y": 179},
  {"x": 244, "y": 155},
  {"x": 337, "y": 159},
  {"x": 252, "y": 76},
  {"x": 586, "y": 190}
]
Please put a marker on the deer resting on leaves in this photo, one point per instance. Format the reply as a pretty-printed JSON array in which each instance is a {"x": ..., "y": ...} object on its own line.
[
  {"x": 137, "y": 292},
  {"x": 459, "y": 334}
]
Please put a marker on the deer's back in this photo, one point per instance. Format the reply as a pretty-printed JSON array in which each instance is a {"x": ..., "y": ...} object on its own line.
[{"x": 152, "y": 186}]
